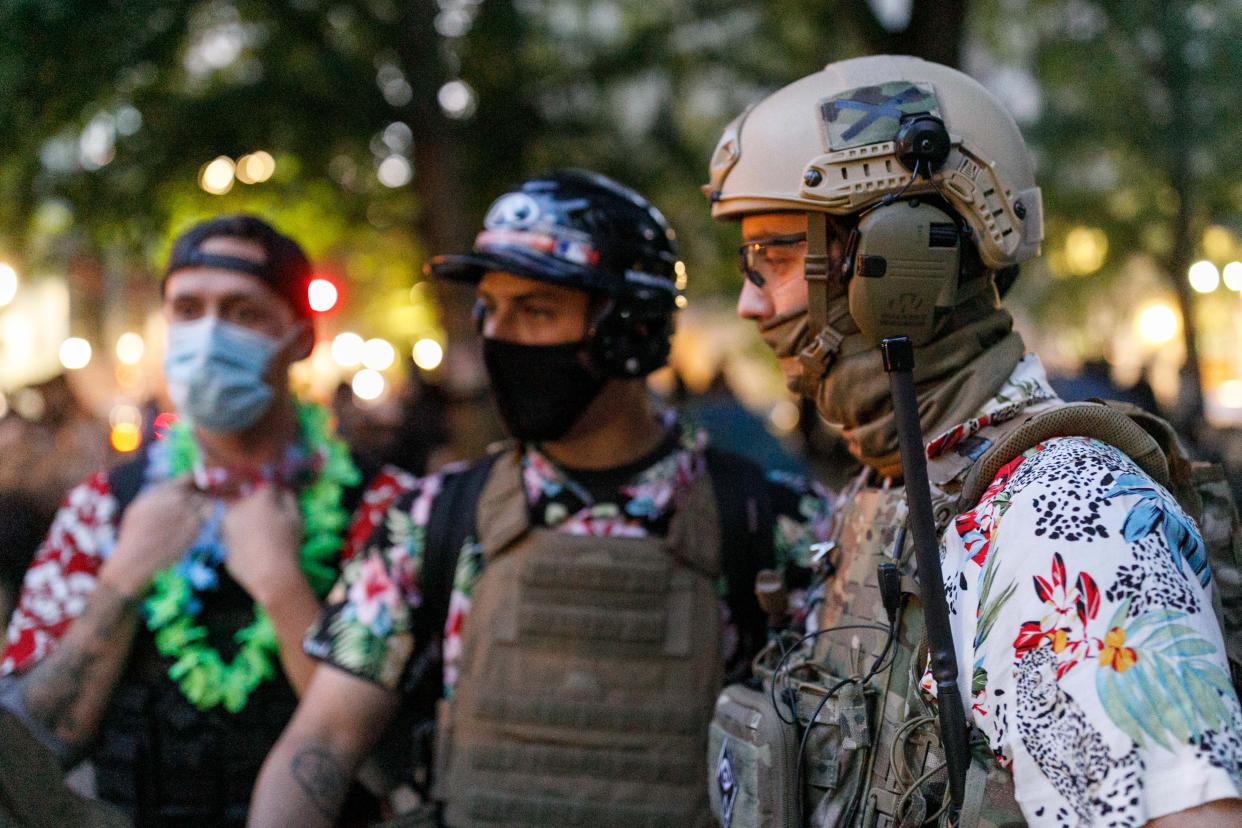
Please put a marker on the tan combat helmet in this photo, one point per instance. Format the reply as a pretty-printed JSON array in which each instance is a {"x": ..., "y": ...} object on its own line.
[{"x": 827, "y": 143}]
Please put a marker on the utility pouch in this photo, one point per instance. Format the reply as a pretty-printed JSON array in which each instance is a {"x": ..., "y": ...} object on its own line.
[
  {"x": 751, "y": 761},
  {"x": 757, "y": 778},
  {"x": 834, "y": 719}
]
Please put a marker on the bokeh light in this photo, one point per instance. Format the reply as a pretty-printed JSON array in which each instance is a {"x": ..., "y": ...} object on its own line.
[
  {"x": 255, "y": 168},
  {"x": 130, "y": 348},
  {"x": 378, "y": 354},
  {"x": 1086, "y": 248},
  {"x": 1233, "y": 276},
  {"x": 457, "y": 99},
  {"x": 347, "y": 348},
  {"x": 784, "y": 416},
  {"x": 8, "y": 284},
  {"x": 125, "y": 437},
  {"x": 216, "y": 176},
  {"x": 428, "y": 354},
  {"x": 1229, "y": 394},
  {"x": 75, "y": 353},
  {"x": 368, "y": 384},
  {"x": 1157, "y": 323},
  {"x": 322, "y": 295},
  {"x": 1204, "y": 277},
  {"x": 125, "y": 413},
  {"x": 395, "y": 171}
]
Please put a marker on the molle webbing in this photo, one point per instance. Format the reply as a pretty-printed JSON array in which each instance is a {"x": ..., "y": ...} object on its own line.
[
  {"x": 596, "y": 764},
  {"x": 589, "y": 669},
  {"x": 513, "y": 809},
  {"x": 617, "y": 719}
]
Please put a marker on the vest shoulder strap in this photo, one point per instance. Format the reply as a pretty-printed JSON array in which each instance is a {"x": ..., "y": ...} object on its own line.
[
  {"x": 126, "y": 481},
  {"x": 747, "y": 524},
  {"x": 453, "y": 518},
  {"x": 367, "y": 468},
  {"x": 746, "y": 519},
  {"x": 1104, "y": 422}
]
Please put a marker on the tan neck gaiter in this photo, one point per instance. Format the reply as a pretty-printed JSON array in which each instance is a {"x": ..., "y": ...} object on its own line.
[{"x": 954, "y": 376}]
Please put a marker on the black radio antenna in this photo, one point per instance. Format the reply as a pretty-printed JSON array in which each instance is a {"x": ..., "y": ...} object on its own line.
[{"x": 898, "y": 356}]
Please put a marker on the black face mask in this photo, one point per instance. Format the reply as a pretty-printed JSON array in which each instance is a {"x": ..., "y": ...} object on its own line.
[{"x": 540, "y": 390}]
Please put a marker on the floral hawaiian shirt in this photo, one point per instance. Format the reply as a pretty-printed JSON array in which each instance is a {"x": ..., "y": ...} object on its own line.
[
  {"x": 367, "y": 625},
  {"x": 1080, "y": 595},
  {"x": 64, "y": 569}
]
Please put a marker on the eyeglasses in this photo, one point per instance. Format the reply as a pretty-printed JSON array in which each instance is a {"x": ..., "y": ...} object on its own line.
[{"x": 770, "y": 259}]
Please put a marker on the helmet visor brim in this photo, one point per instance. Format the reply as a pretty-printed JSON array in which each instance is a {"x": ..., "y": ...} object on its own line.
[{"x": 470, "y": 267}]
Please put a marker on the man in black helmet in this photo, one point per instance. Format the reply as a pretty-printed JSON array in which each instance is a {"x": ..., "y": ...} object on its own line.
[{"x": 581, "y": 595}]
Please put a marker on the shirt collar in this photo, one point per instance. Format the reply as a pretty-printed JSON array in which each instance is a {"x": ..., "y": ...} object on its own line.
[
  {"x": 646, "y": 500},
  {"x": 1026, "y": 388}
]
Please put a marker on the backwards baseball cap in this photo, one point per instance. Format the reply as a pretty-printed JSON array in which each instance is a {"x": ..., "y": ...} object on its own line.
[{"x": 285, "y": 267}]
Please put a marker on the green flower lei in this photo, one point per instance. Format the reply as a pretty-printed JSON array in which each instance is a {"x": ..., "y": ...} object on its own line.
[{"x": 199, "y": 670}]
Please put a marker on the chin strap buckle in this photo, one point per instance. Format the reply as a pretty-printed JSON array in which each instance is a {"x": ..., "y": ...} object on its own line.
[{"x": 817, "y": 358}]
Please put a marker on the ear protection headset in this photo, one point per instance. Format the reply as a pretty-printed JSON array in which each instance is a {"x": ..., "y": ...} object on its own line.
[
  {"x": 903, "y": 261},
  {"x": 630, "y": 339}
]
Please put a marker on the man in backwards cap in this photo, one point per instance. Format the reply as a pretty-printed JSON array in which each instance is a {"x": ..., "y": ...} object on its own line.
[
  {"x": 589, "y": 587},
  {"x": 158, "y": 631}
]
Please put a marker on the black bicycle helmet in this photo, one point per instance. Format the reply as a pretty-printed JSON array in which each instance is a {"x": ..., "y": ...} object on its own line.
[{"x": 585, "y": 231}]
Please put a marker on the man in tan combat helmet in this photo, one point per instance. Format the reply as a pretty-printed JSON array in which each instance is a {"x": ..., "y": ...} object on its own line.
[{"x": 889, "y": 196}]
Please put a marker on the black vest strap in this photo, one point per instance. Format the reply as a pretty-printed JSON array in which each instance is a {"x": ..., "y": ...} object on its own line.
[
  {"x": 453, "y": 518},
  {"x": 126, "y": 481},
  {"x": 746, "y": 530}
]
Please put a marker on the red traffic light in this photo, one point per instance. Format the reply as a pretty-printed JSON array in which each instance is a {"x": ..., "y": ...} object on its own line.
[{"x": 322, "y": 295}]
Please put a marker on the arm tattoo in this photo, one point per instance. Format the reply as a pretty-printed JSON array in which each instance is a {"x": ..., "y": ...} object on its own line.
[
  {"x": 322, "y": 777},
  {"x": 52, "y": 692}
]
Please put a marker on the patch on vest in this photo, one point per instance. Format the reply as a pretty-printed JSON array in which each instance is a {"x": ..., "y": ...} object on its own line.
[
  {"x": 726, "y": 781},
  {"x": 872, "y": 114},
  {"x": 973, "y": 447}
]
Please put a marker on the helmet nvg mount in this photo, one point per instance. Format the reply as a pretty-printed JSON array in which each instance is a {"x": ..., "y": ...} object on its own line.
[{"x": 584, "y": 231}]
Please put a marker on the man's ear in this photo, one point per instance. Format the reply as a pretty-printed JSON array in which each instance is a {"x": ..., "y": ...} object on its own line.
[{"x": 303, "y": 342}]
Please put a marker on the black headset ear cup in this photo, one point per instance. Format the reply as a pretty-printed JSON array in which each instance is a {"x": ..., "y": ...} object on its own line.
[
  {"x": 922, "y": 142},
  {"x": 631, "y": 342}
]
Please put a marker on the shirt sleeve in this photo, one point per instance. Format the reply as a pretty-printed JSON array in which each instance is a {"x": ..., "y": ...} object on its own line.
[
  {"x": 62, "y": 574},
  {"x": 381, "y": 492},
  {"x": 1081, "y": 599},
  {"x": 366, "y": 626}
]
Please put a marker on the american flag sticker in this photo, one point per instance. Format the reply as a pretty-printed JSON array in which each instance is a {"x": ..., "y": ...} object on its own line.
[{"x": 578, "y": 252}]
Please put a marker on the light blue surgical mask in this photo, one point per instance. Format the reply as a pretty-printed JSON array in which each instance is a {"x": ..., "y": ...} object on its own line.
[{"x": 215, "y": 373}]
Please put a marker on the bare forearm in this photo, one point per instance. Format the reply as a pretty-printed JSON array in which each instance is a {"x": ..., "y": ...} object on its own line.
[
  {"x": 305, "y": 777},
  {"x": 303, "y": 783},
  {"x": 291, "y": 614},
  {"x": 66, "y": 694},
  {"x": 1217, "y": 814}
]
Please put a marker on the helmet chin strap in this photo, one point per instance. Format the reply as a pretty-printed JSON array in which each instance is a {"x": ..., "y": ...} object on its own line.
[{"x": 828, "y": 337}]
